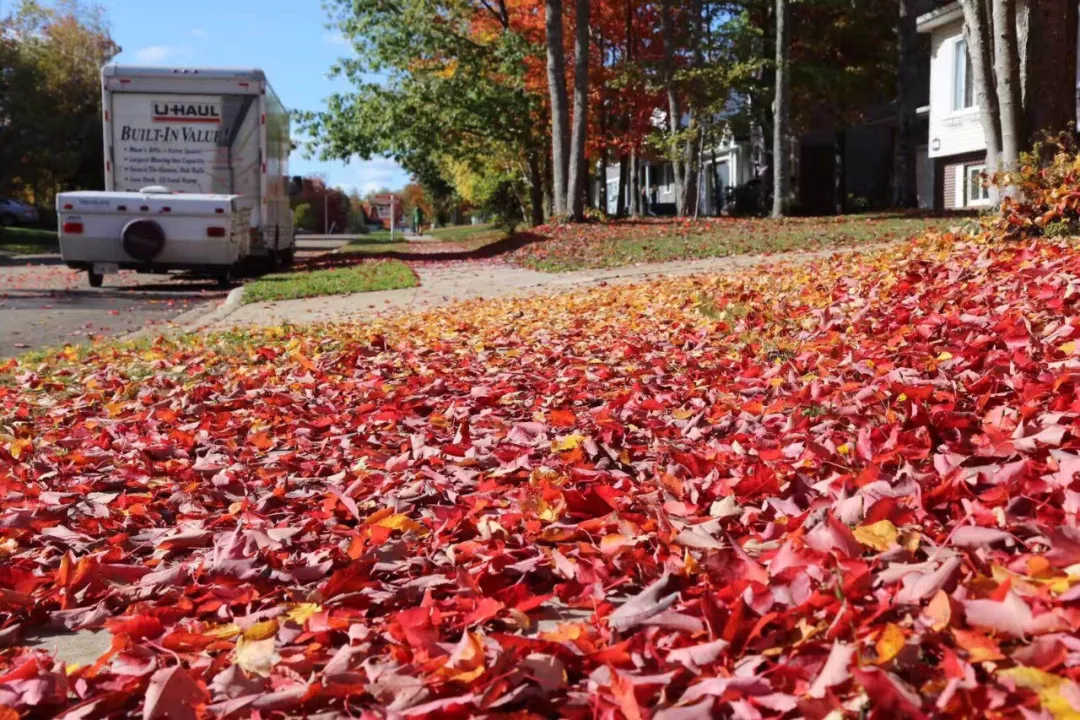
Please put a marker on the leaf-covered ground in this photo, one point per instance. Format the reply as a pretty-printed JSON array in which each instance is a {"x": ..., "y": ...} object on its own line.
[
  {"x": 836, "y": 490},
  {"x": 626, "y": 242}
]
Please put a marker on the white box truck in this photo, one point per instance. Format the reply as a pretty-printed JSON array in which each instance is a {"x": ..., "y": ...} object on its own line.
[{"x": 196, "y": 175}]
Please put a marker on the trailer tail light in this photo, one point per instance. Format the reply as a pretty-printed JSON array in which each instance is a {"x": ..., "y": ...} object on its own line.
[
  {"x": 215, "y": 232},
  {"x": 73, "y": 228},
  {"x": 166, "y": 209},
  {"x": 68, "y": 206},
  {"x": 219, "y": 211},
  {"x": 144, "y": 208},
  {"x": 121, "y": 208}
]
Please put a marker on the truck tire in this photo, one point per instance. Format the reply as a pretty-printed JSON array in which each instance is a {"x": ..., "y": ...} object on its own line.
[
  {"x": 7, "y": 220},
  {"x": 94, "y": 278},
  {"x": 143, "y": 239}
]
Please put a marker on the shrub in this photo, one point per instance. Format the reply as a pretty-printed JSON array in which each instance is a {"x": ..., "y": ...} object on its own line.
[
  {"x": 503, "y": 206},
  {"x": 1044, "y": 190},
  {"x": 303, "y": 218}
]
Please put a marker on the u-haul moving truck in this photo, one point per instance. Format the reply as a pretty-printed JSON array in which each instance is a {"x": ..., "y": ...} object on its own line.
[{"x": 218, "y": 137}]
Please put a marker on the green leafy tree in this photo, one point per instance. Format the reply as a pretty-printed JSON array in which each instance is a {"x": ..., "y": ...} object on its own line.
[
  {"x": 50, "y": 98},
  {"x": 450, "y": 87}
]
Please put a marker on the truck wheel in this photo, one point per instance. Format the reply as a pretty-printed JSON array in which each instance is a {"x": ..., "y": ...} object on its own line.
[
  {"x": 7, "y": 220},
  {"x": 288, "y": 257},
  {"x": 95, "y": 278}
]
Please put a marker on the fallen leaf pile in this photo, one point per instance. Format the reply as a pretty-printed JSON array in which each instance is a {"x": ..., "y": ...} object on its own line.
[
  {"x": 838, "y": 489},
  {"x": 573, "y": 246}
]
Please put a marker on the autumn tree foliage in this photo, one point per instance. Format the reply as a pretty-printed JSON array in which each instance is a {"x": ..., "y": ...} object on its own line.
[
  {"x": 50, "y": 97},
  {"x": 328, "y": 208}
]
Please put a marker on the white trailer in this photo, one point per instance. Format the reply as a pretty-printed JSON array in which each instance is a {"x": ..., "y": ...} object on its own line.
[{"x": 219, "y": 136}]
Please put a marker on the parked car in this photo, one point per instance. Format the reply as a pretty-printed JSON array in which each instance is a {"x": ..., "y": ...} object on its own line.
[{"x": 14, "y": 212}]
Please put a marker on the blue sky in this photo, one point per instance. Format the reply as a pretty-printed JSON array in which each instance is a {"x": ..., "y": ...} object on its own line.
[{"x": 286, "y": 38}]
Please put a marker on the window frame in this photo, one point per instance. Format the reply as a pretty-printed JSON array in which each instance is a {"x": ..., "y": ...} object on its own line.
[
  {"x": 962, "y": 88},
  {"x": 969, "y": 200}
]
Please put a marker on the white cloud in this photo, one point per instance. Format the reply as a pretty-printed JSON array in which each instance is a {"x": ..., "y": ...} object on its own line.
[
  {"x": 365, "y": 176},
  {"x": 335, "y": 38},
  {"x": 153, "y": 54}
]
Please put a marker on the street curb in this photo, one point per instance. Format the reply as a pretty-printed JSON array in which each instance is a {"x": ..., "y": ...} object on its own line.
[
  {"x": 194, "y": 319},
  {"x": 233, "y": 301}
]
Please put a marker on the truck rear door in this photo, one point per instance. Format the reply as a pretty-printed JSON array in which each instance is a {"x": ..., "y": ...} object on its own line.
[{"x": 190, "y": 143}]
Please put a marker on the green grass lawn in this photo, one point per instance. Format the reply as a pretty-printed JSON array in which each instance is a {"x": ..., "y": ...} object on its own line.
[
  {"x": 465, "y": 237},
  {"x": 456, "y": 233},
  {"x": 613, "y": 244},
  {"x": 367, "y": 277},
  {"x": 28, "y": 241}
]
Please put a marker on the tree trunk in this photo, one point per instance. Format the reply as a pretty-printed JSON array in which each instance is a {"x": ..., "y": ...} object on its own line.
[
  {"x": 620, "y": 201},
  {"x": 905, "y": 183},
  {"x": 977, "y": 36},
  {"x": 579, "y": 170},
  {"x": 782, "y": 113},
  {"x": 605, "y": 154},
  {"x": 840, "y": 170},
  {"x": 674, "y": 109},
  {"x": 556, "y": 72},
  {"x": 536, "y": 188},
  {"x": 1049, "y": 84},
  {"x": 1007, "y": 69}
]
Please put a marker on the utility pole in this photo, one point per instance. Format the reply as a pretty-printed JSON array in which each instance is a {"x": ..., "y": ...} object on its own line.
[
  {"x": 326, "y": 213},
  {"x": 391, "y": 218}
]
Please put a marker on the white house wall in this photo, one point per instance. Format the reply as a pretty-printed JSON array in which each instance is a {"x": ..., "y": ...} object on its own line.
[{"x": 952, "y": 132}]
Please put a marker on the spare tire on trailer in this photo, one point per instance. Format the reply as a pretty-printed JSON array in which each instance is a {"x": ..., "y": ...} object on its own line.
[{"x": 143, "y": 239}]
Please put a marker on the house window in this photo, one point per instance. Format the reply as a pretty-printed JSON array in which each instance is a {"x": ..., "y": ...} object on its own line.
[
  {"x": 963, "y": 85},
  {"x": 977, "y": 190}
]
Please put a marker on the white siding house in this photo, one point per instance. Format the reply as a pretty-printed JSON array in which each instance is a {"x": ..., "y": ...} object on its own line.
[{"x": 957, "y": 148}]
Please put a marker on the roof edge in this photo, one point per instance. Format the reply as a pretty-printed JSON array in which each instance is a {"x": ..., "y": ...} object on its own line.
[{"x": 939, "y": 17}]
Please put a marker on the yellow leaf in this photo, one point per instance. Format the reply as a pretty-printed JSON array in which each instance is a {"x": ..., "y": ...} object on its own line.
[
  {"x": 261, "y": 630},
  {"x": 400, "y": 521},
  {"x": 1048, "y": 687},
  {"x": 889, "y": 644},
  {"x": 844, "y": 449},
  {"x": 223, "y": 632},
  {"x": 901, "y": 397},
  {"x": 257, "y": 657},
  {"x": 569, "y": 442},
  {"x": 945, "y": 356},
  {"x": 302, "y": 612},
  {"x": 881, "y": 535},
  {"x": 939, "y": 611},
  {"x": 683, "y": 414},
  {"x": 1068, "y": 348}
]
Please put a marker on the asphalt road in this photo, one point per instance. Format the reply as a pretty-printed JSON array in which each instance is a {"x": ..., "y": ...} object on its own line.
[{"x": 44, "y": 304}]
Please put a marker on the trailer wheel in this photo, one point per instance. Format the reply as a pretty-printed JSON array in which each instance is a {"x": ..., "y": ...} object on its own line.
[
  {"x": 224, "y": 278},
  {"x": 94, "y": 278},
  {"x": 143, "y": 239},
  {"x": 288, "y": 257}
]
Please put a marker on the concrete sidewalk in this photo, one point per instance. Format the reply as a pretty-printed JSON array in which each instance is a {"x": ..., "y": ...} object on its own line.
[{"x": 446, "y": 283}]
